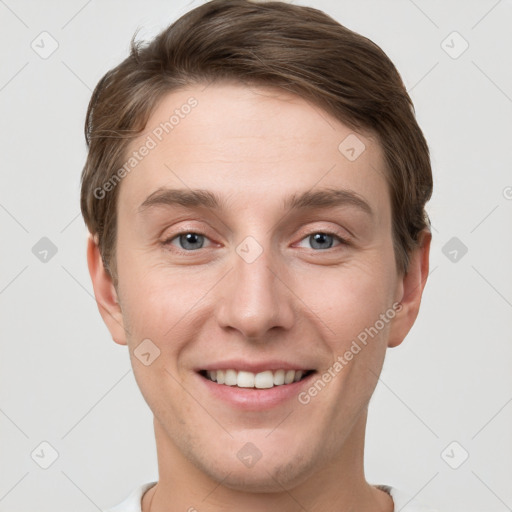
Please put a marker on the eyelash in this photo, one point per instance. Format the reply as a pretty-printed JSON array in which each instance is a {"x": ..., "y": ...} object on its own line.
[{"x": 167, "y": 242}]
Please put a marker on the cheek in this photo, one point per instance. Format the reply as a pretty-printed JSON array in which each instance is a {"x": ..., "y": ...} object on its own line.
[
  {"x": 155, "y": 307},
  {"x": 347, "y": 300},
  {"x": 165, "y": 305},
  {"x": 152, "y": 297}
]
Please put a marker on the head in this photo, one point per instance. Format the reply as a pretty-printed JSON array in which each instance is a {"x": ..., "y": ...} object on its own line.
[{"x": 222, "y": 156}]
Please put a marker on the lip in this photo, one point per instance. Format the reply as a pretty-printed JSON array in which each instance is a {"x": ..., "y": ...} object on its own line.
[
  {"x": 252, "y": 399},
  {"x": 254, "y": 367}
]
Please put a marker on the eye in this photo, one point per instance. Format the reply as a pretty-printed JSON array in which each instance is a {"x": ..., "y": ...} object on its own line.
[
  {"x": 187, "y": 241},
  {"x": 323, "y": 240}
]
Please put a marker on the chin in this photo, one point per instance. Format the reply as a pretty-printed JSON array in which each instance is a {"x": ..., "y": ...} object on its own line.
[{"x": 267, "y": 475}]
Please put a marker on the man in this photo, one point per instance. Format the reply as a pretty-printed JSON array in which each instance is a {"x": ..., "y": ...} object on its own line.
[{"x": 222, "y": 156}]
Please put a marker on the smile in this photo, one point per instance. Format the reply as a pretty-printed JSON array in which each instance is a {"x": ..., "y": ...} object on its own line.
[{"x": 262, "y": 380}]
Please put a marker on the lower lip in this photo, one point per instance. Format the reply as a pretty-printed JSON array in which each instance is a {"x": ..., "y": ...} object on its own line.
[{"x": 252, "y": 399}]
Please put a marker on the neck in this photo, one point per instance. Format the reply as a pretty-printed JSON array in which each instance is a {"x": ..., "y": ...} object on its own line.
[{"x": 337, "y": 486}]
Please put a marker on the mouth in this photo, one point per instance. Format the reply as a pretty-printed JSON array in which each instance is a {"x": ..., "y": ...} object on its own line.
[{"x": 266, "y": 379}]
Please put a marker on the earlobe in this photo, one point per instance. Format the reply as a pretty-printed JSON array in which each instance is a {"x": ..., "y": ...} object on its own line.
[
  {"x": 105, "y": 292},
  {"x": 411, "y": 290}
]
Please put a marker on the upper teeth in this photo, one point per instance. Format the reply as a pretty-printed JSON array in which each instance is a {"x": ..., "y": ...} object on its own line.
[{"x": 262, "y": 380}]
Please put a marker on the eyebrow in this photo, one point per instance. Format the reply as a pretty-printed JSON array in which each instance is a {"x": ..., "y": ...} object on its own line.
[{"x": 196, "y": 198}]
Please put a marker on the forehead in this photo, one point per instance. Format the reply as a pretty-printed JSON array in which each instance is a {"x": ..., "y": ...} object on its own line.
[{"x": 259, "y": 143}]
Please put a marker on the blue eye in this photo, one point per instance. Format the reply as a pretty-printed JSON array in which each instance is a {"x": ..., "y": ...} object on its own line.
[
  {"x": 188, "y": 241},
  {"x": 322, "y": 240}
]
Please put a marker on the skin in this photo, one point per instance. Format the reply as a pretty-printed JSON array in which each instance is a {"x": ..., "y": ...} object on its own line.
[{"x": 298, "y": 301}]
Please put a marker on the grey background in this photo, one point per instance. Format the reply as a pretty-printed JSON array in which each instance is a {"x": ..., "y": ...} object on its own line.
[{"x": 64, "y": 381}]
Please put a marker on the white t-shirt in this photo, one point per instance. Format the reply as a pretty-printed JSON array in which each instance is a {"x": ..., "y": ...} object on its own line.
[{"x": 403, "y": 502}]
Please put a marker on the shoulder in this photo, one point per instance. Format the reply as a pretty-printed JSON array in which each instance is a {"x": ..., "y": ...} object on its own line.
[
  {"x": 405, "y": 502},
  {"x": 132, "y": 503}
]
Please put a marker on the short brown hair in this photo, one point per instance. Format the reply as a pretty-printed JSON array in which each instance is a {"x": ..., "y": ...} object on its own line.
[{"x": 299, "y": 49}]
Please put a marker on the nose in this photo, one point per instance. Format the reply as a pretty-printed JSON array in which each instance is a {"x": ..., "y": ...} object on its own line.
[{"x": 255, "y": 298}]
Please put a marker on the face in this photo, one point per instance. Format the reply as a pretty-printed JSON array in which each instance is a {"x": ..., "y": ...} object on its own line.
[{"x": 251, "y": 244}]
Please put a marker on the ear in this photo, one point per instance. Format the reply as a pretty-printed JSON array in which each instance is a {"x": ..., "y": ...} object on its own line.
[
  {"x": 105, "y": 292},
  {"x": 410, "y": 290}
]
